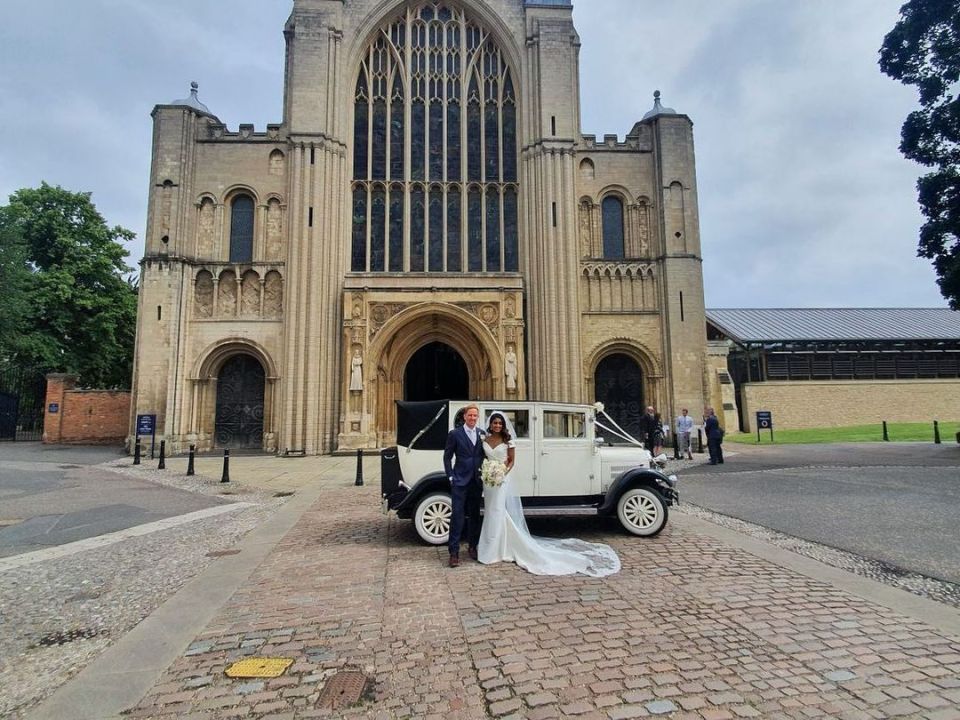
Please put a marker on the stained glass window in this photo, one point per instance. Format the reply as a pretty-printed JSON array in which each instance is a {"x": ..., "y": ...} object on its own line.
[
  {"x": 241, "y": 229},
  {"x": 435, "y": 107},
  {"x": 612, "y": 210}
]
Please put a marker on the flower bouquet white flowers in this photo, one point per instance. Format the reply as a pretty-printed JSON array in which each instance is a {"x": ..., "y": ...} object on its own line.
[{"x": 492, "y": 472}]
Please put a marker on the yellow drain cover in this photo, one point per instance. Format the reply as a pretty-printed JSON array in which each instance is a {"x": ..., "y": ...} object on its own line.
[{"x": 262, "y": 667}]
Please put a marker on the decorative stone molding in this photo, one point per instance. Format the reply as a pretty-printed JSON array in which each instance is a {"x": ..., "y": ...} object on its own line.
[
  {"x": 231, "y": 291},
  {"x": 618, "y": 286}
]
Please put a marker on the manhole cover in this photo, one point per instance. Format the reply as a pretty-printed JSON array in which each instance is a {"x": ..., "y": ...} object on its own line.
[
  {"x": 342, "y": 690},
  {"x": 261, "y": 667},
  {"x": 222, "y": 553}
]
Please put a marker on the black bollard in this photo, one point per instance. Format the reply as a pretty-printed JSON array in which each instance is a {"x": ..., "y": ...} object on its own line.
[
  {"x": 699, "y": 441},
  {"x": 359, "y": 480},
  {"x": 886, "y": 438},
  {"x": 936, "y": 433},
  {"x": 163, "y": 455},
  {"x": 676, "y": 446},
  {"x": 226, "y": 467},
  {"x": 190, "y": 461},
  {"x": 136, "y": 451}
]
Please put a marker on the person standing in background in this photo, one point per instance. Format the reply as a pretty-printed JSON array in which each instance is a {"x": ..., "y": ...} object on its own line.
[
  {"x": 714, "y": 433},
  {"x": 684, "y": 428}
]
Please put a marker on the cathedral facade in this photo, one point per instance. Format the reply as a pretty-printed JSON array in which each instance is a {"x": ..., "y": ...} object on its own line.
[{"x": 427, "y": 221}]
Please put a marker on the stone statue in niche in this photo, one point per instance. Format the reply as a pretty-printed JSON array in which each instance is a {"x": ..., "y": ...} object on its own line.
[
  {"x": 510, "y": 368},
  {"x": 356, "y": 372}
]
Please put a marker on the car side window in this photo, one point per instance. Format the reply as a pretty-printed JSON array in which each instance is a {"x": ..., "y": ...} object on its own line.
[
  {"x": 557, "y": 424},
  {"x": 521, "y": 422}
]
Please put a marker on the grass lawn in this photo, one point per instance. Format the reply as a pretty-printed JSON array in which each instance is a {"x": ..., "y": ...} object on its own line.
[{"x": 897, "y": 432}]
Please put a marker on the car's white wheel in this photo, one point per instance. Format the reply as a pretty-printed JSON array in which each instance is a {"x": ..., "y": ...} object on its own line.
[
  {"x": 432, "y": 519},
  {"x": 642, "y": 511}
]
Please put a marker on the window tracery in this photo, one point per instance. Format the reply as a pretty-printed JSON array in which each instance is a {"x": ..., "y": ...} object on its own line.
[{"x": 435, "y": 149}]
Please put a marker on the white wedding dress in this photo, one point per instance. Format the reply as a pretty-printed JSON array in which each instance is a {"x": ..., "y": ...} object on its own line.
[{"x": 505, "y": 538}]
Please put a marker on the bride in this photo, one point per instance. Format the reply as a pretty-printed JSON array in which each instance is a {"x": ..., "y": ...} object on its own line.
[{"x": 505, "y": 536}]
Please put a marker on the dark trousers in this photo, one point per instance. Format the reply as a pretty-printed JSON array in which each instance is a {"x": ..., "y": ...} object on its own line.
[
  {"x": 466, "y": 510},
  {"x": 716, "y": 451}
]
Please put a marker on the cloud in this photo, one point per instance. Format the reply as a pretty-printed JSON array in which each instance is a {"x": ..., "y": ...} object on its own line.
[{"x": 804, "y": 197}]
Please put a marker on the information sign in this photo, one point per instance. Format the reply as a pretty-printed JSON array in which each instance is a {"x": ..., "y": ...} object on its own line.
[{"x": 764, "y": 422}]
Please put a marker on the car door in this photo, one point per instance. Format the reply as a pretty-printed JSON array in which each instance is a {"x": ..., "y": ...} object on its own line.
[{"x": 565, "y": 455}]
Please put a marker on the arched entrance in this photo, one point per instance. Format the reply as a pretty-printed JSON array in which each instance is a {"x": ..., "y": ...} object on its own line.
[
  {"x": 239, "y": 410},
  {"x": 618, "y": 384},
  {"x": 436, "y": 372}
]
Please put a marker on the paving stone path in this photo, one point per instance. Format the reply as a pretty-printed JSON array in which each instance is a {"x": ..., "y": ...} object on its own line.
[{"x": 692, "y": 627}]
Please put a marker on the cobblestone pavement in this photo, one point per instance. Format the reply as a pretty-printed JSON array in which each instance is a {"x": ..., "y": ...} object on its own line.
[
  {"x": 942, "y": 591},
  {"x": 692, "y": 627},
  {"x": 59, "y": 614}
]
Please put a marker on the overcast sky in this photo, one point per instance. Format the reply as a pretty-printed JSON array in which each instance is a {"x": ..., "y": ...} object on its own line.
[{"x": 805, "y": 200}]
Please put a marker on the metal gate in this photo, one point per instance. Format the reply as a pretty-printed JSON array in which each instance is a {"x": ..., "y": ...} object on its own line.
[
  {"x": 618, "y": 384},
  {"x": 240, "y": 389},
  {"x": 22, "y": 394}
]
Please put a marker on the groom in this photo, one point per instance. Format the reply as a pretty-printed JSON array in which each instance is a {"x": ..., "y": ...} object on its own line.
[{"x": 465, "y": 450}]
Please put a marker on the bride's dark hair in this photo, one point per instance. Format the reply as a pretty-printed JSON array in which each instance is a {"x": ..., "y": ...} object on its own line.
[{"x": 506, "y": 435}]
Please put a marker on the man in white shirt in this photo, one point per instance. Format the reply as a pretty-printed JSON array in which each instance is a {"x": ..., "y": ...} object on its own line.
[{"x": 684, "y": 430}]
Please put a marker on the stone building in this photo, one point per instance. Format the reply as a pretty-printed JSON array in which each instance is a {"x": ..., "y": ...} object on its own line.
[{"x": 426, "y": 221}]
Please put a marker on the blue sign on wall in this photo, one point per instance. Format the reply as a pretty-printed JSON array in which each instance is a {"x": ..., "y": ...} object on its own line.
[
  {"x": 146, "y": 424},
  {"x": 53, "y": 408}
]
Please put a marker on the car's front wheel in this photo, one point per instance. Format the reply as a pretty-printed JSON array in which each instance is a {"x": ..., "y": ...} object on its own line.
[
  {"x": 642, "y": 511},
  {"x": 432, "y": 518}
]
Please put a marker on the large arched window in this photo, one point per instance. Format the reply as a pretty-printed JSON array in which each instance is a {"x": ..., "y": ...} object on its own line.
[
  {"x": 435, "y": 119},
  {"x": 241, "y": 229},
  {"x": 612, "y": 210}
]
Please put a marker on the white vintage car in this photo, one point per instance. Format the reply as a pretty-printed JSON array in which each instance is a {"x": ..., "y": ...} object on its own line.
[{"x": 563, "y": 461}]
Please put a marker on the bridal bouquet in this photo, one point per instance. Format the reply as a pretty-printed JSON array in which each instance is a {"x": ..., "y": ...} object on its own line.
[{"x": 492, "y": 472}]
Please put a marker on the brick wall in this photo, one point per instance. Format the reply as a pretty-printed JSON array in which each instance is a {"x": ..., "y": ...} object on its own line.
[
  {"x": 804, "y": 404},
  {"x": 84, "y": 416}
]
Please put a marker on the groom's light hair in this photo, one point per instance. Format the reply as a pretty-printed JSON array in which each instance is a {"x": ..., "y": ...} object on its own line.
[{"x": 468, "y": 407}]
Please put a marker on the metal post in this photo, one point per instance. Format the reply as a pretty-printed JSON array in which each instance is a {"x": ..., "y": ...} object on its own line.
[
  {"x": 699, "y": 441},
  {"x": 359, "y": 480},
  {"x": 886, "y": 438},
  {"x": 190, "y": 461},
  {"x": 136, "y": 451},
  {"x": 226, "y": 467},
  {"x": 936, "y": 433},
  {"x": 163, "y": 455}
]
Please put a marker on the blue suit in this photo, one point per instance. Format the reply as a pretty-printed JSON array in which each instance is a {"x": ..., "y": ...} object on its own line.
[
  {"x": 461, "y": 462},
  {"x": 714, "y": 439}
]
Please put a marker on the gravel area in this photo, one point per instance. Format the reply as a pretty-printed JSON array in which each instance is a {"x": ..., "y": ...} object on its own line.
[
  {"x": 59, "y": 614},
  {"x": 940, "y": 590}
]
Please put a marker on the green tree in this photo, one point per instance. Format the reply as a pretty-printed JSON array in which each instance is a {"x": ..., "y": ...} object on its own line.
[
  {"x": 68, "y": 303},
  {"x": 923, "y": 50}
]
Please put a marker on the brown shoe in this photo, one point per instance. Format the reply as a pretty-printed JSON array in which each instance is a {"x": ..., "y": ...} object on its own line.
[
  {"x": 473, "y": 552},
  {"x": 454, "y": 561}
]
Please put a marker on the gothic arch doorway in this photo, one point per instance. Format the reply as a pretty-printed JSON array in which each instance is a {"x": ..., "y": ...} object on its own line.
[
  {"x": 239, "y": 409},
  {"x": 618, "y": 384},
  {"x": 436, "y": 372}
]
